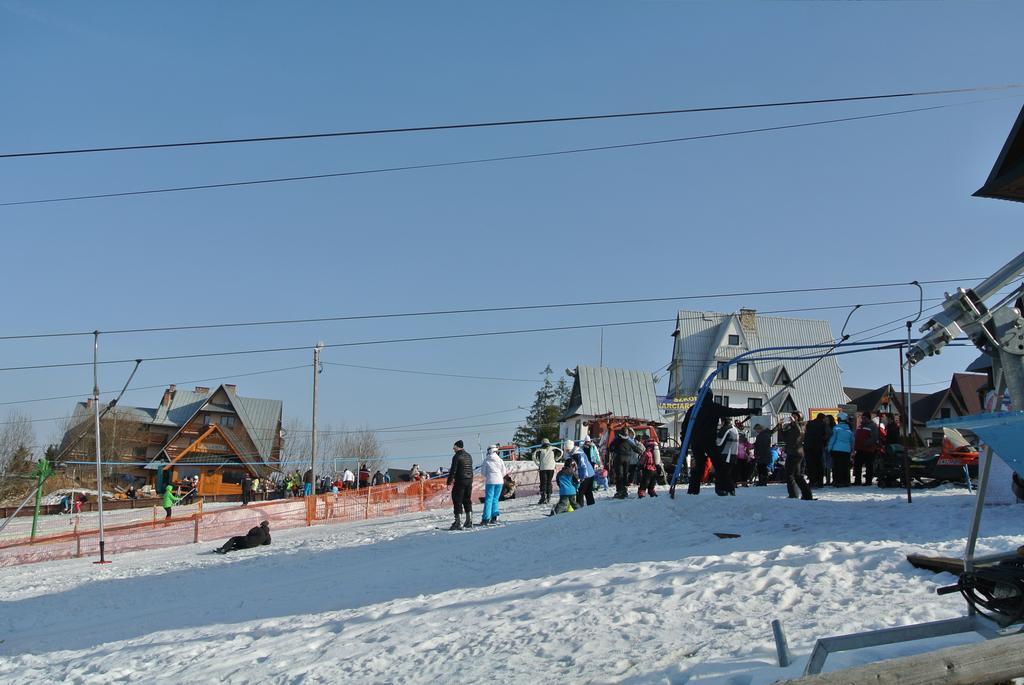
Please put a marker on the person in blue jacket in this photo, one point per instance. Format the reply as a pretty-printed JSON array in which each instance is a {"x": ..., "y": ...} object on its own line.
[
  {"x": 567, "y": 482},
  {"x": 839, "y": 446}
]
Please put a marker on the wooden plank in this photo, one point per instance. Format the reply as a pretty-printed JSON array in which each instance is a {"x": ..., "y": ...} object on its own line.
[{"x": 984, "y": 663}]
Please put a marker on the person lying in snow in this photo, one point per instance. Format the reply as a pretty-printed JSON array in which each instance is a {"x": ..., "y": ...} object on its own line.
[{"x": 260, "y": 535}]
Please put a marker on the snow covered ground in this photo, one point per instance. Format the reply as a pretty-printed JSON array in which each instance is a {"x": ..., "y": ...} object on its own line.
[{"x": 639, "y": 591}]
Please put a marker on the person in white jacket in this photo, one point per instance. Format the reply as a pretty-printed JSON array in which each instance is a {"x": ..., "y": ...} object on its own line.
[
  {"x": 546, "y": 458},
  {"x": 728, "y": 446},
  {"x": 494, "y": 471}
]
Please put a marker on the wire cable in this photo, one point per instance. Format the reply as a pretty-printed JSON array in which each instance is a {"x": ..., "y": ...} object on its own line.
[
  {"x": 481, "y": 160},
  {"x": 504, "y": 123},
  {"x": 488, "y": 310}
]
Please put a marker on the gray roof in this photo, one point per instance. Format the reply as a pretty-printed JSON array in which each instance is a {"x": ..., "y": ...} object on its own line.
[
  {"x": 261, "y": 418},
  {"x": 701, "y": 342},
  {"x": 83, "y": 412},
  {"x": 620, "y": 392}
]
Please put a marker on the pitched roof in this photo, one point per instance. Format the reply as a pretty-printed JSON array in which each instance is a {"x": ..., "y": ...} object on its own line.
[
  {"x": 966, "y": 387},
  {"x": 620, "y": 392},
  {"x": 260, "y": 418},
  {"x": 925, "y": 407},
  {"x": 695, "y": 355}
]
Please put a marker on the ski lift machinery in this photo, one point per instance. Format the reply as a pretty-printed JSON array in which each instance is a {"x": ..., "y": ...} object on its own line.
[{"x": 998, "y": 330}]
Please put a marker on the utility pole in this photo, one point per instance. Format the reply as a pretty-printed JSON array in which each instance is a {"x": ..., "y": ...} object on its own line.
[
  {"x": 910, "y": 418},
  {"x": 99, "y": 455},
  {"x": 316, "y": 387}
]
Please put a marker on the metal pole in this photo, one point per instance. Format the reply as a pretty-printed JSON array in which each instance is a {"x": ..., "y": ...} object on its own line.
[
  {"x": 316, "y": 388},
  {"x": 99, "y": 451},
  {"x": 910, "y": 418},
  {"x": 983, "y": 475}
]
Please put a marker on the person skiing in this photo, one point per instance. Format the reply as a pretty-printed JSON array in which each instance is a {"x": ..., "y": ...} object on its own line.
[
  {"x": 256, "y": 537},
  {"x": 624, "y": 449},
  {"x": 169, "y": 500},
  {"x": 585, "y": 473},
  {"x": 567, "y": 482},
  {"x": 494, "y": 477},
  {"x": 792, "y": 435},
  {"x": 704, "y": 435},
  {"x": 460, "y": 480},
  {"x": 546, "y": 458}
]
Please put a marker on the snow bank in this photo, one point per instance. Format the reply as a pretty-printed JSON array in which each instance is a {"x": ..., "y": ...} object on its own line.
[{"x": 639, "y": 591}]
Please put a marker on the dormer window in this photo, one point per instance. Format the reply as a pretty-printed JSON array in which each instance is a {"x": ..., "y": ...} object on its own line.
[
  {"x": 782, "y": 377},
  {"x": 734, "y": 339},
  {"x": 788, "y": 407}
]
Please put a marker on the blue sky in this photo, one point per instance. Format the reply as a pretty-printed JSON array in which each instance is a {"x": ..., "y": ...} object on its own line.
[{"x": 871, "y": 201}]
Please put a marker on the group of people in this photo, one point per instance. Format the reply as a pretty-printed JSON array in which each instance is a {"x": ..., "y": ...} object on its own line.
[
  {"x": 813, "y": 454},
  {"x": 581, "y": 468}
]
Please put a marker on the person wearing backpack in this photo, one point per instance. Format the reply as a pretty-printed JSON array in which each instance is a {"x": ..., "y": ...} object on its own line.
[{"x": 865, "y": 445}]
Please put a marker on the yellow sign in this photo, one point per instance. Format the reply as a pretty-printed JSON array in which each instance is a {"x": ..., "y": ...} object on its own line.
[
  {"x": 670, "y": 405},
  {"x": 812, "y": 413}
]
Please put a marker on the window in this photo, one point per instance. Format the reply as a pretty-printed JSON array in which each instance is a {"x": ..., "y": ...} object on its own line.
[
  {"x": 722, "y": 400},
  {"x": 138, "y": 451},
  {"x": 754, "y": 403},
  {"x": 723, "y": 371},
  {"x": 734, "y": 339},
  {"x": 788, "y": 407},
  {"x": 227, "y": 421},
  {"x": 743, "y": 372},
  {"x": 233, "y": 477},
  {"x": 783, "y": 377},
  {"x": 206, "y": 419},
  {"x": 945, "y": 413}
]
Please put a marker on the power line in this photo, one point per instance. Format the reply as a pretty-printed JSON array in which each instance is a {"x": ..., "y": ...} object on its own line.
[
  {"x": 486, "y": 310},
  {"x": 160, "y": 385},
  {"x": 436, "y": 373},
  {"x": 481, "y": 160},
  {"x": 503, "y": 123}
]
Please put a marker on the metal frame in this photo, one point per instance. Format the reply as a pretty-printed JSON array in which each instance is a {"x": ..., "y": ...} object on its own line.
[{"x": 890, "y": 636}]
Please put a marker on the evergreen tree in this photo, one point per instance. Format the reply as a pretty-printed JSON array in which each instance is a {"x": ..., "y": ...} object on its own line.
[{"x": 547, "y": 408}]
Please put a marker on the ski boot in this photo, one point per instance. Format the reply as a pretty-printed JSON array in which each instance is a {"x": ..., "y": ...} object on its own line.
[{"x": 457, "y": 525}]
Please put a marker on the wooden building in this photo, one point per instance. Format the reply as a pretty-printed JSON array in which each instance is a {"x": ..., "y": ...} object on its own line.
[{"x": 218, "y": 435}]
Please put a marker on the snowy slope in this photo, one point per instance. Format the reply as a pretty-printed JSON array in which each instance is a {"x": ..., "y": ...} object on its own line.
[{"x": 639, "y": 591}]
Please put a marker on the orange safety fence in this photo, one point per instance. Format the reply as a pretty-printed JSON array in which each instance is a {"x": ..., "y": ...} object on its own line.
[{"x": 158, "y": 532}]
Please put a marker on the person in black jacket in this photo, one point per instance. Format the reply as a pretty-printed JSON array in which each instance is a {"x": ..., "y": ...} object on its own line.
[
  {"x": 792, "y": 435},
  {"x": 246, "y": 489},
  {"x": 256, "y": 537},
  {"x": 815, "y": 439},
  {"x": 460, "y": 480},
  {"x": 703, "y": 439}
]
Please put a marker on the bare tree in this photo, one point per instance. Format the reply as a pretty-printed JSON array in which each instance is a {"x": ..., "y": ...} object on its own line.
[{"x": 17, "y": 438}]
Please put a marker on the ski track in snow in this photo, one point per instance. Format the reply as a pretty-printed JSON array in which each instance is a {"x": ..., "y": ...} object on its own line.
[{"x": 625, "y": 592}]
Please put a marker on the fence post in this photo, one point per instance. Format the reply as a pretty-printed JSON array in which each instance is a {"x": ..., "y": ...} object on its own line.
[
  {"x": 421, "y": 494},
  {"x": 195, "y": 527},
  {"x": 310, "y": 503},
  {"x": 78, "y": 542},
  {"x": 154, "y": 516}
]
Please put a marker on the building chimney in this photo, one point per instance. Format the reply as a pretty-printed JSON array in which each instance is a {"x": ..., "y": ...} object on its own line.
[
  {"x": 230, "y": 387},
  {"x": 748, "y": 320},
  {"x": 200, "y": 390},
  {"x": 88, "y": 403},
  {"x": 165, "y": 401}
]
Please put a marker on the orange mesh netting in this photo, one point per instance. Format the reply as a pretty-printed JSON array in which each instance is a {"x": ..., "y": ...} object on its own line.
[{"x": 80, "y": 537}]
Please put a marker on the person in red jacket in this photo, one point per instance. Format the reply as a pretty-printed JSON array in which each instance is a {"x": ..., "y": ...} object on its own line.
[{"x": 648, "y": 471}]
